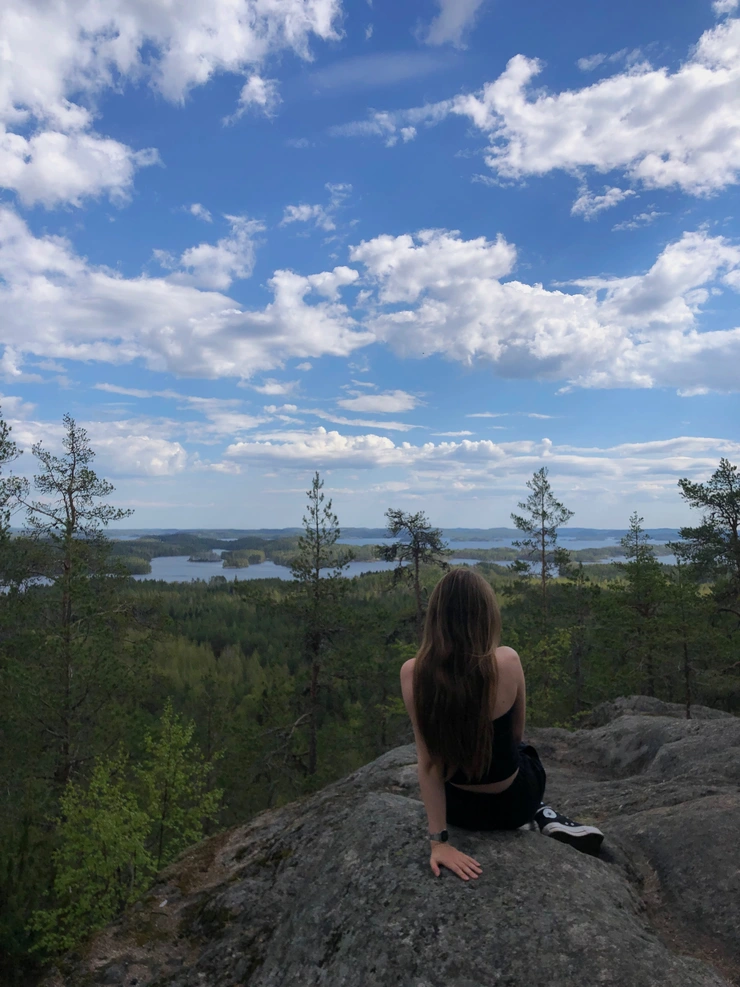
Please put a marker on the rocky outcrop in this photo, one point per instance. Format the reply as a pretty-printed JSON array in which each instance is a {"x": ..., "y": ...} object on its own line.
[{"x": 335, "y": 889}]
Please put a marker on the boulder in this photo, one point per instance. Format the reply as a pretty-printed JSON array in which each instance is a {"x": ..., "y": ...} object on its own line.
[{"x": 335, "y": 889}]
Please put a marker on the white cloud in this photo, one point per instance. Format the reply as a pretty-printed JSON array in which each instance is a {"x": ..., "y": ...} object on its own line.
[
  {"x": 386, "y": 68},
  {"x": 56, "y": 305},
  {"x": 388, "y": 402},
  {"x": 588, "y": 204},
  {"x": 613, "y": 473},
  {"x": 692, "y": 392},
  {"x": 259, "y": 94},
  {"x": 722, "y": 7},
  {"x": 304, "y": 366},
  {"x": 276, "y": 387},
  {"x": 661, "y": 129},
  {"x": 305, "y": 214},
  {"x": 405, "y": 266},
  {"x": 432, "y": 293},
  {"x": 65, "y": 55},
  {"x": 509, "y": 414},
  {"x": 223, "y": 415},
  {"x": 455, "y": 17},
  {"x": 11, "y": 368},
  {"x": 15, "y": 408},
  {"x": 137, "y": 447},
  {"x": 323, "y": 217},
  {"x": 439, "y": 294},
  {"x": 590, "y": 62},
  {"x": 124, "y": 453},
  {"x": 216, "y": 265},
  {"x": 328, "y": 416},
  {"x": 51, "y": 168},
  {"x": 200, "y": 212},
  {"x": 639, "y": 221}
]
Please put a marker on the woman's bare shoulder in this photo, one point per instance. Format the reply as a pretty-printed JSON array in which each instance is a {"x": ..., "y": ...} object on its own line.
[{"x": 507, "y": 654}]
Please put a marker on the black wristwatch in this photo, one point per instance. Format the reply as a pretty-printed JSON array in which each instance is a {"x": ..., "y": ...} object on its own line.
[{"x": 442, "y": 837}]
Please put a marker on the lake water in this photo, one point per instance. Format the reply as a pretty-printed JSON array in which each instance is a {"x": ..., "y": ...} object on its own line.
[{"x": 176, "y": 568}]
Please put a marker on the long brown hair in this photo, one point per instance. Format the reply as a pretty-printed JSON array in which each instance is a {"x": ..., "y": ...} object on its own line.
[{"x": 455, "y": 680}]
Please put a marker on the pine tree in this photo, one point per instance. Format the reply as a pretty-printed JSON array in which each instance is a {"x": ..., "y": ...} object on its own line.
[
  {"x": 175, "y": 779},
  {"x": 543, "y": 515},
  {"x": 580, "y": 600},
  {"x": 713, "y": 547},
  {"x": 12, "y": 488},
  {"x": 420, "y": 545},
  {"x": 101, "y": 864},
  {"x": 642, "y": 598},
  {"x": 75, "y": 652},
  {"x": 318, "y": 568}
]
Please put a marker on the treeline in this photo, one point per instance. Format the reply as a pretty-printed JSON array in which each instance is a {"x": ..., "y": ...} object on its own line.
[{"x": 140, "y": 716}]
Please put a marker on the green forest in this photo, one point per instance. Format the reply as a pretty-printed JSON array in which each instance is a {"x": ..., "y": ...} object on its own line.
[{"x": 140, "y": 716}]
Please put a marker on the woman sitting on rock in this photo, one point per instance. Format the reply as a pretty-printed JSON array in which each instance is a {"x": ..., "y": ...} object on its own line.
[{"x": 467, "y": 701}]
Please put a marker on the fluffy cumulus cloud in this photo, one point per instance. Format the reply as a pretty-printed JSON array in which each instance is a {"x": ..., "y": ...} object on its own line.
[
  {"x": 648, "y": 468},
  {"x": 661, "y": 129},
  {"x": 136, "y": 448},
  {"x": 432, "y": 293},
  {"x": 439, "y": 294},
  {"x": 55, "y": 304},
  {"x": 57, "y": 58},
  {"x": 216, "y": 265},
  {"x": 406, "y": 266}
]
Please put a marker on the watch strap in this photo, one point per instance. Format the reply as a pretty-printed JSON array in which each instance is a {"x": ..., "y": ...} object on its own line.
[{"x": 442, "y": 837}]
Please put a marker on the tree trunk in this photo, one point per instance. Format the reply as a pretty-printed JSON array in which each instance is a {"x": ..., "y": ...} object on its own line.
[
  {"x": 577, "y": 676},
  {"x": 417, "y": 589},
  {"x": 313, "y": 709},
  {"x": 687, "y": 676},
  {"x": 63, "y": 769},
  {"x": 650, "y": 667}
]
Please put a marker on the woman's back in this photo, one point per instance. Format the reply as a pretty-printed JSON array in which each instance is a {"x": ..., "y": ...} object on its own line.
[{"x": 507, "y": 711}]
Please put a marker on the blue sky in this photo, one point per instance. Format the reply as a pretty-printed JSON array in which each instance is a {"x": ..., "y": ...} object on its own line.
[{"x": 425, "y": 248}]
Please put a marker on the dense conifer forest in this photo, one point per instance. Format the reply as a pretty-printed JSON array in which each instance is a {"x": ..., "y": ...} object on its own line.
[{"x": 138, "y": 717}]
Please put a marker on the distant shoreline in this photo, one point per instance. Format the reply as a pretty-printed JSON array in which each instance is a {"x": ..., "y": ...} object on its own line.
[{"x": 484, "y": 535}]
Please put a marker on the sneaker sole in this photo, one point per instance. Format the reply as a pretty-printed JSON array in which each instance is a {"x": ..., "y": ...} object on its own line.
[{"x": 584, "y": 838}]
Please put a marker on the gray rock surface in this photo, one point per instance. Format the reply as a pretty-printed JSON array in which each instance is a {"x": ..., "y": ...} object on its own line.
[{"x": 336, "y": 890}]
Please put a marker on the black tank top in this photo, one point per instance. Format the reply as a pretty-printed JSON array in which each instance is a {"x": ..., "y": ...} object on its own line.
[{"x": 505, "y": 759}]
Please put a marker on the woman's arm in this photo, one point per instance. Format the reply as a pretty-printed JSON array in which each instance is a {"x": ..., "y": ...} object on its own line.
[
  {"x": 433, "y": 794},
  {"x": 519, "y": 716},
  {"x": 429, "y": 774},
  {"x": 434, "y": 798}
]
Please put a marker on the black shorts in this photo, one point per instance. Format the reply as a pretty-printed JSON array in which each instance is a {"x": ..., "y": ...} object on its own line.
[{"x": 509, "y": 809}]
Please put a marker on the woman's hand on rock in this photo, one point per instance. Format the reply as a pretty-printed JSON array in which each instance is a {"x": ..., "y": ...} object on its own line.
[{"x": 444, "y": 855}]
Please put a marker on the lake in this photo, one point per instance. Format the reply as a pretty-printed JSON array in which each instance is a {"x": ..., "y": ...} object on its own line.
[{"x": 177, "y": 569}]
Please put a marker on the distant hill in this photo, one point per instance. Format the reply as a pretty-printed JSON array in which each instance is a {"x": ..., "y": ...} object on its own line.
[{"x": 451, "y": 534}]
